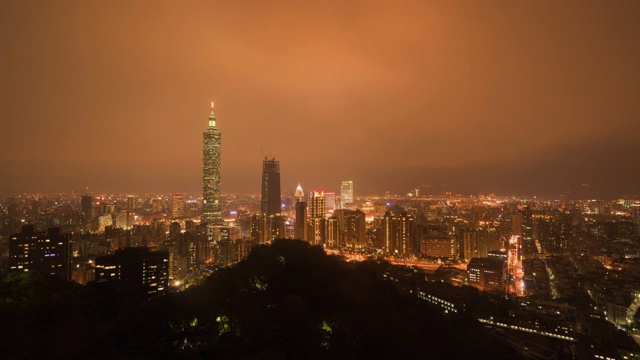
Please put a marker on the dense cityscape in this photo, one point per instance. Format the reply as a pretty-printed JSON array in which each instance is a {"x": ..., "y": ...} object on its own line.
[
  {"x": 441, "y": 179},
  {"x": 567, "y": 271}
]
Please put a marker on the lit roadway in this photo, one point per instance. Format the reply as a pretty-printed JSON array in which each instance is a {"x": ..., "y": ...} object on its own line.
[
  {"x": 429, "y": 266},
  {"x": 515, "y": 287}
]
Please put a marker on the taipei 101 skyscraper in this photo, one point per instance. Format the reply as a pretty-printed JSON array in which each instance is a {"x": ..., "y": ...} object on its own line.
[{"x": 211, "y": 207}]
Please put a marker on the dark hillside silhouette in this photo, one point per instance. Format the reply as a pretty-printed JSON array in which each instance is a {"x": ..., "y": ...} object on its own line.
[{"x": 286, "y": 300}]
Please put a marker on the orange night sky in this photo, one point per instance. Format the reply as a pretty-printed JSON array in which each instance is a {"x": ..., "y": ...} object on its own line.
[{"x": 512, "y": 97}]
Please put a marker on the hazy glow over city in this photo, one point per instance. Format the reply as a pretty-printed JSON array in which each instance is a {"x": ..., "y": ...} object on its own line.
[
  {"x": 450, "y": 179},
  {"x": 509, "y": 97}
]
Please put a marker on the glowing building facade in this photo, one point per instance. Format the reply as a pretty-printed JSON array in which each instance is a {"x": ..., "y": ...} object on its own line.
[
  {"x": 346, "y": 193},
  {"x": 177, "y": 206},
  {"x": 398, "y": 231},
  {"x": 317, "y": 205},
  {"x": 211, "y": 206}
]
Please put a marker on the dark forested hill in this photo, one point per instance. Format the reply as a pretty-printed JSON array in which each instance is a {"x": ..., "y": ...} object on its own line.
[{"x": 286, "y": 300}]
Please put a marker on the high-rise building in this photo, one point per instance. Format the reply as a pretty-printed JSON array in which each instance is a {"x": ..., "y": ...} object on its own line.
[
  {"x": 258, "y": 228},
  {"x": 123, "y": 220},
  {"x": 270, "y": 202},
  {"x": 177, "y": 206},
  {"x": 477, "y": 242},
  {"x": 211, "y": 206},
  {"x": 47, "y": 253},
  {"x": 317, "y": 205},
  {"x": 85, "y": 205},
  {"x": 398, "y": 231},
  {"x": 301, "y": 215},
  {"x": 352, "y": 228},
  {"x": 276, "y": 226},
  {"x": 157, "y": 205},
  {"x": 131, "y": 202},
  {"x": 301, "y": 220},
  {"x": 346, "y": 193},
  {"x": 332, "y": 233},
  {"x": 136, "y": 270},
  {"x": 316, "y": 232}
]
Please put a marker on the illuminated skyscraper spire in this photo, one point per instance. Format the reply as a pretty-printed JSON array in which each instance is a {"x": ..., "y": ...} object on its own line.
[
  {"x": 211, "y": 206},
  {"x": 212, "y": 118},
  {"x": 299, "y": 194},
  {"x": 300, "y": 226}
]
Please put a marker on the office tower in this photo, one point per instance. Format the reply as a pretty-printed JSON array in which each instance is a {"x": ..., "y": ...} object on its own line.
[
  {"x": 332, "y": 233},
  {"x": 352, "y": 228},
  {"x": 136, "y": 271},
  {"x": 398, "y": 233},
  {"x": 45, "y": 252},
  {"x": 300, "y": 224},
  {"x": 276, "y": 226},
  {"x": 270, "y": 201},
  {"x": 177, "y": 206},
  {"x": 317, "y": 205},
  {"x": 174, "y": 230},
  {"x": 85, "y": 205},
  {"x": 122, "y": 220},
  {"x": 300, "y": 215},
  {"x": 178, "y": 264},
  {"x": 315, "y": 224},
  {"x": 258, "y": 226},
  {"x": 157, "y": 205},
  {"x": 316, "y": 232},
  {"x": 346, "y": 193},
  {"x": 211, "y": 206},
  {"x": 131, "y": 202},
  {"x": 226, "y": 252},
  {"x": 189, "y": 226}
]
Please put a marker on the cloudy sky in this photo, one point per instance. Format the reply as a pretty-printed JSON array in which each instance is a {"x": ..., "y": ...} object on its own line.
[{"x": 511, "y": 97}]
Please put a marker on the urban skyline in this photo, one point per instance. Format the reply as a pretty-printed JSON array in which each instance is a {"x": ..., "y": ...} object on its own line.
[
  {"x": 454, "y": 179},
  {"x": 501, "y": 97},
  {"x": 447, "y": 252}
]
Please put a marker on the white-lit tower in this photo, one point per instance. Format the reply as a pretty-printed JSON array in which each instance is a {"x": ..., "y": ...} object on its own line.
[{"x": 346, "y": 193}]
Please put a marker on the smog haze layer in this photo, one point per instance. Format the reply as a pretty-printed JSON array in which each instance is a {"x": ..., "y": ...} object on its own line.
[{"x": 512, "y": 97}]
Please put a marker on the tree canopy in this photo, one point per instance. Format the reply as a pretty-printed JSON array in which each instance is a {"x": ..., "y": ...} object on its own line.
[{"x": 285, "y": 300}]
